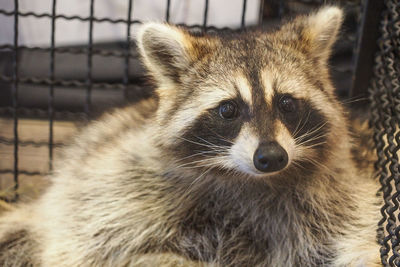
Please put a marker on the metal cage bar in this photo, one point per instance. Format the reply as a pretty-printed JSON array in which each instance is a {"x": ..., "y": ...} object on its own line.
[
  {"x": 243, "y": 21},
  {"x": 88, "y": 101},
  {"x": 51, "y": 86},
  {"x": 83, "y": 19},
  {"x": 167, "y": 10},
  {"x": 128, "y": 47},
  {"x": 205, "y": 16},
  {"x": 15, "y": 99}
]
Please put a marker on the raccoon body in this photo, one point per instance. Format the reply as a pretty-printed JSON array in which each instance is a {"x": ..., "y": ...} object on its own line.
[{"x": 244, "y": 159}]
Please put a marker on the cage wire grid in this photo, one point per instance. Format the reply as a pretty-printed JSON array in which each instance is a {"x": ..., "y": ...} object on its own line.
[
  {"x": 385, "y": 119},
  {"x": 384, "y": 96}
]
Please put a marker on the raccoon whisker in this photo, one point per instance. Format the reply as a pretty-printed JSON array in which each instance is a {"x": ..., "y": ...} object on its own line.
[
  {"x": 205, "y": 154},
  {"x": 315, "y": 138},
  {"x": 300, "y": 165},
  {"x": 191, "y": 156},
  {"x": 207, "y": 144},
  {"x": 193, "y": 142},
  {"x": 205, "y": 141},
  {"x": 219, "y": 151},
  {"x": 220, "y": 136},
  {"x": 221, "y": 161},
  {"x": 319, "y": 164},
  {"x": 209, "y": 166},
  {"x": 195, "y": 181},
  {"x": 297, "y": 130},
  {"x": 297, "y": 164},
  {"x": 204, "y": 162},
  {"x": 353, "y": 100},
  {"x": 223, "y": 150},
  {"x": 316, "y": 128},
  {"x": 310, "y": 132},
  {"x": 210, "y": 145},
  {"x": 214, "y": 145},
  {"x": 303, "y": 124},
  {"x": 304, "y": 144},
  {"x": 314, "y": 145},
  {"x": 193, "y": 164}
]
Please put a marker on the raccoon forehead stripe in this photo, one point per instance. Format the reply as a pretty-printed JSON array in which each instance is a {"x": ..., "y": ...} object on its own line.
[
  {"x": 244, "y": 89},
  {"x": 267, "y": 82}
]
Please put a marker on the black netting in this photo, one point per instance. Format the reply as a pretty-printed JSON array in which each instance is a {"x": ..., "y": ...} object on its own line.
[{"x": 385, "y": 106}]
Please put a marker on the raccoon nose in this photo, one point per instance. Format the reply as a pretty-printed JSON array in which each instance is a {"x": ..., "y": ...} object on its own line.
[{"x": 270, "y": 157}]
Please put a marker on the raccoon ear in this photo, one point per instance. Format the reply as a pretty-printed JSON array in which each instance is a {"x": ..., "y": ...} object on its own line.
[
  {"x": 319, "y": 31},
  {"x": 164, "y": 50}
]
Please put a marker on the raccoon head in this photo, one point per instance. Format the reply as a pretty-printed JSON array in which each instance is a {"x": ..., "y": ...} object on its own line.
[{"x": 250, "y": 103}]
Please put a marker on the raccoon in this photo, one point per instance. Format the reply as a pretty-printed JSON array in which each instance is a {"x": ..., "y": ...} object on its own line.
[{"x": 244, "y": 158}]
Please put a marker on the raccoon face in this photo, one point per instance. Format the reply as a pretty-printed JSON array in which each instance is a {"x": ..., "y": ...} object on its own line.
[{"x": 252, "y": 103}]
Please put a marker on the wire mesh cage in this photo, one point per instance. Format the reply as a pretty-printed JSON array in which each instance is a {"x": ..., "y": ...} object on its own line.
[
  {"x": 48, "y": 89},
  {"x": 385, "y": 107}
]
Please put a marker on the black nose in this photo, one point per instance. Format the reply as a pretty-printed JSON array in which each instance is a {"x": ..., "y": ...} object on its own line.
[{"x": 270, "y": 157}]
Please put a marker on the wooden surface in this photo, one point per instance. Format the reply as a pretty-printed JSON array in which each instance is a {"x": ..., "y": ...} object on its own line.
[{"x": 30, "y": 158}]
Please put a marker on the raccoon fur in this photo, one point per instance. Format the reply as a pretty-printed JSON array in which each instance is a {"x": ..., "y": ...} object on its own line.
[{"x": 245, "y": 158}]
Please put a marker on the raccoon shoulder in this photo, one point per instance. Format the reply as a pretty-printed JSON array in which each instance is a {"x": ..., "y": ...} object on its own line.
[
  {"x": 104, "y": 132},
  {"x": 120, "y": 119}
]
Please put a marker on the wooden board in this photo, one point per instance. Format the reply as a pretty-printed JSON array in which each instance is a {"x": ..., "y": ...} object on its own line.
[{"x": 31, "y": 158}]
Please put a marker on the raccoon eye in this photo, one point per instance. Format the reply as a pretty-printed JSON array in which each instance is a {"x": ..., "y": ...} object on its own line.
[
  {"x": 287, "y": 104},
  {"x": 228, "y": 110}
]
